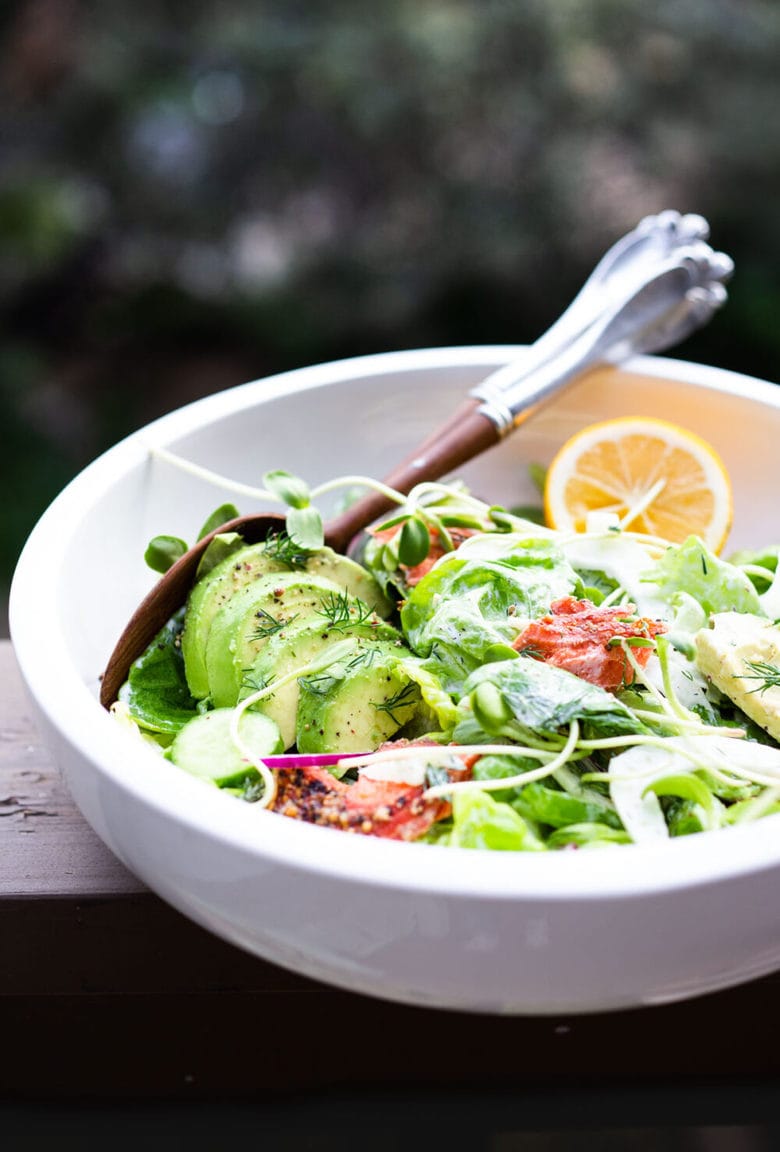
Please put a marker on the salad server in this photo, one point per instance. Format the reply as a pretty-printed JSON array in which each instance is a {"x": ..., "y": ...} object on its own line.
[
  {"x": 620, "y": 271},
  {"x": 678, "y": 295}
]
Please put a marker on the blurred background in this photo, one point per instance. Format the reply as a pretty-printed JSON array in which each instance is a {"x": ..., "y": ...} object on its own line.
[{"x": 193, "y": 195}]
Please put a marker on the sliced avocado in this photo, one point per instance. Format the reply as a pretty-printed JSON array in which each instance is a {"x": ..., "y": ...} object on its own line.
[
  {"x": 296, "y": 646},
  {"x": 357, "y": 705},
  {"x": 207, "y": 597},
  {"x": 204, "y": 746},
  {"x": 352, "y": 577},
  {"x": 241, "y": 568},
  {"x": 245, "y": 623}
]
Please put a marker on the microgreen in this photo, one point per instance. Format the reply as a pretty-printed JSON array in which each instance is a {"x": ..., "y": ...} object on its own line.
[
  {"x": 303, "y": 521},
  {"x": 218, "y": 517},
  {"x": 414, "y": 542},
  {"x": 162, "y": 552}
]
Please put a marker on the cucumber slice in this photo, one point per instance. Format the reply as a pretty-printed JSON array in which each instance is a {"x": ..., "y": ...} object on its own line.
[{"x": 204, "y": 747}]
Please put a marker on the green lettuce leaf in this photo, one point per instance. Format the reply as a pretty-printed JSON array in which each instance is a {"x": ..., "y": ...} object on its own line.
[
  {"x": 764, "y": 558},
  {"x": 466, "y": 611},
  {"x": 546, "y": 804},
  {"x": 156, "y": 692},
  {"x": 543, "y": 700},
  {"x": 479, "y": 821},
  {"x": 717, "y": 585},
  {"x": 434, "y": 697},
  {"x": 587, "y": 836}
]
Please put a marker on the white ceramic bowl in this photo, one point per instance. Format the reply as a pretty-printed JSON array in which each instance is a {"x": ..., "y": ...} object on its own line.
[{"x": 491, "y": 932}]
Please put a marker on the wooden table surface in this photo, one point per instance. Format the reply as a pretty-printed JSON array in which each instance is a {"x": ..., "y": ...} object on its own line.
[{"x": 107, "y": 993}]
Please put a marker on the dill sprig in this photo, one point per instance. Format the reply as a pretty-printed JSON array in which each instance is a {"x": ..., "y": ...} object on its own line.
[
  {"x": 282, "y": 548},
  {"x": 269, "y": 625},
  {"x": 250, "y": 682},
  {"x": 344, "y": 611},
  {"x": 405, "y": 696},
  {"x": 322, "y": 682},
  {"x": 768, "y": 674}
]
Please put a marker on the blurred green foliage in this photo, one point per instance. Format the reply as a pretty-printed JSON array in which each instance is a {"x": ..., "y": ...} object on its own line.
[{"x": 192, "y": 194}]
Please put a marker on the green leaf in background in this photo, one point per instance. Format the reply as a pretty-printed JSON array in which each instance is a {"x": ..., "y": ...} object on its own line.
[
  {"x": 688, "y": 786},
  {"x": 304, "y": 527},
  {"x": 596, "y": 585},
  {"x": 163, "y": 551},
  {"x": 436, "y": 700},
  {"x": 218, "y": 517},
  {"x": 222, "y": 545},
  {"x": 287, "y": 487},
  {"x": 587, "y": 836},
  {"x": 544, "y": 699},
  {"x": 545, "y": 804},
  {"x": 497, "y": 767},
  {"x": 467, "y": 605}
]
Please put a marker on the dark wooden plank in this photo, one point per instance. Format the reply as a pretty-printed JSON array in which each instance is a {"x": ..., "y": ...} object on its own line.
[
  {"x": 258, "y": 1044},
  {"x": 127, "y": 945},
  {"x": 47, "y": 849}
]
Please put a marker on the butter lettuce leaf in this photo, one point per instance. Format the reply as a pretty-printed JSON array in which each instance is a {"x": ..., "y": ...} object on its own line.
[
  {"x": 466, "y": 611},
  {"x": 156, "y": 692},
  {"x": 479, "y": 821},
  {"x": 716, "y": 584},
  {"x": 543, "y": 700}
]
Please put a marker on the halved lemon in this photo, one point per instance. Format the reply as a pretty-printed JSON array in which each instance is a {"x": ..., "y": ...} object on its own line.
[{"x": 659, "y": 478}]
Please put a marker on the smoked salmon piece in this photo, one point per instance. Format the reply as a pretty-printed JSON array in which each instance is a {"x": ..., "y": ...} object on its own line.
[
  {"x": 391, "y": 809},
  {"x": 583, "y": 638}
]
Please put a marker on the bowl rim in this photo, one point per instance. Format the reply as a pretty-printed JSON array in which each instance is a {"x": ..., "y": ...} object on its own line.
[{"x": 74, "y": 712}]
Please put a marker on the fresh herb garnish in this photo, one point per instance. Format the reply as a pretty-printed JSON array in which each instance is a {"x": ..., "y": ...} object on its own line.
[
  {"x": 532, "y": 650},
  {"x": 252, "y": 683},
  {"x": 304, "y": 522},
  {"x": 405, "y": 696},
  {"x": 252, "y": 791},
  {"x": 269, "y": 625},
  {"x": 322, "y": 682},
  {"x": 162, "y": 552},
  {"x": 282, "y": 548},
  {"x": 343, "y": 611},
  {"x": 768, "y": 674},
  {"x": 414, "y": 542}
]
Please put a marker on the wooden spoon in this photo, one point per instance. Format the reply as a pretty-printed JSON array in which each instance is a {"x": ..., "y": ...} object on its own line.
[
  {"x": 472, "y": 436},
  {"x": 679, "y": 294}
]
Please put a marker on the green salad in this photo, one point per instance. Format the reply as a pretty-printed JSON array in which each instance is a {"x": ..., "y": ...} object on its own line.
[{"x": 471, "y": 678}]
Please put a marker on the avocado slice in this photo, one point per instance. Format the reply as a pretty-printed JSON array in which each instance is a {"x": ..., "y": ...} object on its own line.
[
  {"x": 206, "y": 598},
  {"x": 295, "y": 647},
  {"x": 244, "y": 624},
  {"x": 357, "y": 705},
  {"x": 211, "y": 593}
]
